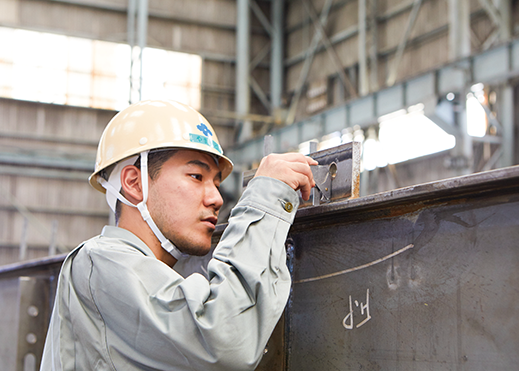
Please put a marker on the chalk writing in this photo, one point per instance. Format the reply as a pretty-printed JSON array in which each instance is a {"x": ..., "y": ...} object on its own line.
[{"x": 348, "y": 322}]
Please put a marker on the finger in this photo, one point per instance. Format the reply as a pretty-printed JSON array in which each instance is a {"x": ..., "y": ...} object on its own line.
[
  {"x": 303, "y": 169},
  {"x": 311, "y": 161},
  {"x": 294, "y": 157},
  {"x": 306, "y": 189}
]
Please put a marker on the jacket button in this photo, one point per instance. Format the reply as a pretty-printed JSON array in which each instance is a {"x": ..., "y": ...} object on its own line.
[{"x": 289, "y": 207}]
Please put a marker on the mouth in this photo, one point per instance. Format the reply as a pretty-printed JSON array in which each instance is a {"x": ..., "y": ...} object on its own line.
[{"x": 210, "y": 221}]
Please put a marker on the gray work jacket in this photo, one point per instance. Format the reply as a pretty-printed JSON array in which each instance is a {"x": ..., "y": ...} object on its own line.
[{"x": 119, "y": 308}]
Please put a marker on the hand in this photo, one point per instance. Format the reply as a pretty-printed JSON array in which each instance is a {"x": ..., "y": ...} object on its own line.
[{"x": 292, "y": 169}]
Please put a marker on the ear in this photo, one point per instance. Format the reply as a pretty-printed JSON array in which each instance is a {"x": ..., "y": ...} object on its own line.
[{"x": 131, "y": 184}]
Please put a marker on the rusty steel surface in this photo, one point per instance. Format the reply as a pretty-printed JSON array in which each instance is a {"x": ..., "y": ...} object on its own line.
[{"x": 422, "y": 278}]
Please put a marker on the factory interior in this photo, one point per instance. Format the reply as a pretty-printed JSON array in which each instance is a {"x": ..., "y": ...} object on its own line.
[{"x": 422, "y": 93}]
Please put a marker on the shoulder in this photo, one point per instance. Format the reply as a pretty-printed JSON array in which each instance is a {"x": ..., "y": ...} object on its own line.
[{"x": 117, "y": 263}]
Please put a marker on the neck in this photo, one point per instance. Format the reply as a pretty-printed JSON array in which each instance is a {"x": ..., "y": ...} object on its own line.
[{"x": 132, "y": 221}]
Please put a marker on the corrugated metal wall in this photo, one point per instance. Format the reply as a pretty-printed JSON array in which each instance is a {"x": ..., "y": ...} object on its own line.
[{"x": 47, "y": 153}]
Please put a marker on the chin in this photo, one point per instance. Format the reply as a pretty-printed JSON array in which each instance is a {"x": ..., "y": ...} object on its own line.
[{"x": 199, "y": 250}]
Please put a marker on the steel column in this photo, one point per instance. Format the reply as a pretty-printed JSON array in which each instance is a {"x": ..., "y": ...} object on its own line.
[
  {"x": 459, "y": 29},
  {"x": 130, "y": 36},
  {"x": 242, "y": 98},
  {"x": 142, "y": 35},
  {"x": 373, "y": 49},
  {"x": 505, "y": 9},
  {"x": 276, "y": 56},
  {"x": 363, "y": 60},
  {"x": 506, "y": 101},
  {"x": 140, "y": 11}
]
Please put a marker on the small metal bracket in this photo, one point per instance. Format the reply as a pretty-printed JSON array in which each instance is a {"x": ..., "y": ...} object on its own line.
[
  {"x": 336, "y": 177},
  {"x": 323, "y": 177}
]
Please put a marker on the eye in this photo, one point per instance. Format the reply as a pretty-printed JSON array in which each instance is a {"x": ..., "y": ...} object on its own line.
[{"x": 196, "y": 176}]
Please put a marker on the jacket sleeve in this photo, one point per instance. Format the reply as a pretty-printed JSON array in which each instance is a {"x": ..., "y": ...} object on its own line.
[{"x": 197, "y": 324}]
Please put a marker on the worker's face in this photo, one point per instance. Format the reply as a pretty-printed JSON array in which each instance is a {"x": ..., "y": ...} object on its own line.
[{"x": 184, "y": 200}]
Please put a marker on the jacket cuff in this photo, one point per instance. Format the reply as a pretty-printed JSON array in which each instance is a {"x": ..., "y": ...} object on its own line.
[{"x": 271, "y": 196}]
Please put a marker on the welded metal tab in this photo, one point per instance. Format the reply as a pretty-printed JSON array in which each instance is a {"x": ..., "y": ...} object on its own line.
[{"x": 336, "y": 177}]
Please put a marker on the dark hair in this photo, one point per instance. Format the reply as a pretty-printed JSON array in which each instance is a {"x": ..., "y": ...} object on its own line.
[{"x": 156, "y": 159}]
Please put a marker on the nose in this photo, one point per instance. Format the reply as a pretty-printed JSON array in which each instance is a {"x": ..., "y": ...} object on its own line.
[{"x": 213, "y": 198}]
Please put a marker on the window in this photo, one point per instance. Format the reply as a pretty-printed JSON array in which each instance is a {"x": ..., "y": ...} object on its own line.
[{"x": 59, "y": 69}]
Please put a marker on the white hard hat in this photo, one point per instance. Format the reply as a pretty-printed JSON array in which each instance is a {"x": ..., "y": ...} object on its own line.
[{"x": 149, "y": 125}]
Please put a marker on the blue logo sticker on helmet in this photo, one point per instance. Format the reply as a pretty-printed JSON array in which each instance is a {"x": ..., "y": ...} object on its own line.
[
  {"x": 195, "y": 138},
  {"x": 204, "y": 129}
]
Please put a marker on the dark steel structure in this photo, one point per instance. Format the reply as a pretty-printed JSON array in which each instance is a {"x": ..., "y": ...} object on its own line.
[{"x": 419, "y": 278}]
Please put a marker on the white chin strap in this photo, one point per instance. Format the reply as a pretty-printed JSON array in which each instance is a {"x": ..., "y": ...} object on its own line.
[{"x": 113, "y": 185}]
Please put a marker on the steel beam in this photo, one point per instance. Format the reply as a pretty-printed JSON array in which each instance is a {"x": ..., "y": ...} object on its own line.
[
  {"x": 353, "y": 31},
  {"x": 307, "y": 64},
  {"x": 494, "y": 66},
  {"x": 261, "y": 17},
  {"x": 403, "y": 42},
  {"x": 420, "y": 275},
  {"x": 174, "y": 18},
  {"x": 401, "y": 279},
  {"x": 332, "y": 53},
  {"x": 259, "y": 93}
]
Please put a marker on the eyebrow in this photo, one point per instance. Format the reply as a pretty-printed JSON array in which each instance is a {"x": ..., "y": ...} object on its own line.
[{"x": 204, "y": 166}]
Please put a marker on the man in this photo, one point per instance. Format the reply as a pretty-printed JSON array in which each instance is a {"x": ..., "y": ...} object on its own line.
[{"x": 120, "y": 305}]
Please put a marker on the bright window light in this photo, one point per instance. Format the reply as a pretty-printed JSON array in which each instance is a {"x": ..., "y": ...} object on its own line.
[
  {"x": 371, "y": 154},
  {"x": 330, "y": 140},
  {"x": 59, "y": 69},
  {"x": 412, "y": 135},
  {"x": 477, "y": 122},
  {"x": 476, "y": 117},
  {"x": 171, "y": 75}
]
